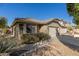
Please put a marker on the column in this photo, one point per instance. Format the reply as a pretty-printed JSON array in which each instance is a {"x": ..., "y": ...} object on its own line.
[
  {"x": 18, "y": 32},
  {"x": 13, "y": 31},
  {"x": 36, "y": 29},
  {"x": 24, "y": 29}
]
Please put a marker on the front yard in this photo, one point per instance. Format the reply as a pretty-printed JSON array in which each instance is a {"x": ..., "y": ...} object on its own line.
[
  {"x": 8, "y": 43},
  {"x": 45, "y": 46}
]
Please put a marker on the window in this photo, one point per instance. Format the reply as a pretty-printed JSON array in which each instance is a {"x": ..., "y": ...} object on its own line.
[
  {"x": 30, "y": 28},
  {"x": 21, "y": 28}
]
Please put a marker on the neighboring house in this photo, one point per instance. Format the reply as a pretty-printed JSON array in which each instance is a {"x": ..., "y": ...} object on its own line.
[
  {"x": 27, "y": 25},
  {"x": 75, "y": 31}
]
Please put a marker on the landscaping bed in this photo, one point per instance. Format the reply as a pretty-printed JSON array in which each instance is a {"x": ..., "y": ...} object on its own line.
[
  {"x": 35, "y": 37},
  {"x": 8, "y": 45}
]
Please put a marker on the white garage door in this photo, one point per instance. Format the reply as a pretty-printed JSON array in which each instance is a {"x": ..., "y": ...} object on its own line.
[{"x": 52, "y": 32}]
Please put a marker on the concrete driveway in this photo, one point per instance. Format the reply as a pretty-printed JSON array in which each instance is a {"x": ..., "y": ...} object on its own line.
[{"x": 69, "y": 41}]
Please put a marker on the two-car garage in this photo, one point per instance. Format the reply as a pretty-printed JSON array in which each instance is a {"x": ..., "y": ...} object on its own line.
[
  {"x": 53, "y": 32},
  {"x": 53, "y": 28}
]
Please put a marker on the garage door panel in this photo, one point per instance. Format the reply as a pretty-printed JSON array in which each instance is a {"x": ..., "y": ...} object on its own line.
[{"x": 52, "y": 32}]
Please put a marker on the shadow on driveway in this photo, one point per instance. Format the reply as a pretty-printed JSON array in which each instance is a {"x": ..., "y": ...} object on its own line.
[{"x": 69, "y": 41}]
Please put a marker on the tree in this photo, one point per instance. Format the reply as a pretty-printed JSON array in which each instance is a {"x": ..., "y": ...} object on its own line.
[
  {"x": 3, "y": 22},
  {"x": 73, "y": 10},
  {"x": 70, "y": 8}
]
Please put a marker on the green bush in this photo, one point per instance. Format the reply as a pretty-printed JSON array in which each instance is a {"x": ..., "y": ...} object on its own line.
[
  {"x": 29, "y": 38},
  {"x": 69, "y": 28},
  {"x": 33, "y": 38},
  {"x": 43, "y": 36},
  {"x": 6, "y": 44}
]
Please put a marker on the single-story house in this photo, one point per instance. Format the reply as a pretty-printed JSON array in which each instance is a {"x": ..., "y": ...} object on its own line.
[{"x": 27, "y": 25}]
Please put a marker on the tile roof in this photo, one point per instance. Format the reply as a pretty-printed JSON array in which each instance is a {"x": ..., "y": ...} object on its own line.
[{"x": 34, "y": 21}]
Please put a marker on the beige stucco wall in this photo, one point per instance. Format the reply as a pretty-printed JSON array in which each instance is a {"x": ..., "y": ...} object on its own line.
[
  {"x": 16, "y": 31},
  {"x": 44, "y": 29}
]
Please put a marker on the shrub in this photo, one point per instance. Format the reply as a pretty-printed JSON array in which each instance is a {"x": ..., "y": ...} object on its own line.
[
  {"x": 6, "y": 43},
  {"x": 43, "y": 36},
  {"x": 29, "y": 39},
  {"x": 69, "y": 28},
  {"x": 33, "y": 38},
  {"x": 77, "y": 26}
]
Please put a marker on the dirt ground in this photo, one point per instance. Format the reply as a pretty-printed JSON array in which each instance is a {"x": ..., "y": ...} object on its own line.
[
  {"x": 58, "y": 46},
  {"x": 55, "y": 48}
]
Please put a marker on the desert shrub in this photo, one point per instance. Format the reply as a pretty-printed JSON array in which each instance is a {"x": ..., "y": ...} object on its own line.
[
  {"x": 35, "y": 37},
  {"x": 69, "y": 28},
  {"x": 42, "y": 36},
  {"x": 29, "y": 38},
  {"x": 6, "y": 43},
  {"x": 77, "y": 26}
]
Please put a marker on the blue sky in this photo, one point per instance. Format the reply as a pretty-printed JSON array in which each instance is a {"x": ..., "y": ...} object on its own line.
[{"x": 37, "y": 11}]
